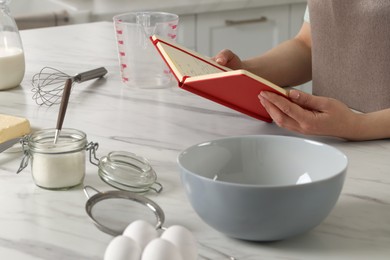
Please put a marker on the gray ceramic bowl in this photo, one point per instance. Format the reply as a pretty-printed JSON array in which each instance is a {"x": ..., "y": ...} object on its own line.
[{"x": 262, "y": 188}]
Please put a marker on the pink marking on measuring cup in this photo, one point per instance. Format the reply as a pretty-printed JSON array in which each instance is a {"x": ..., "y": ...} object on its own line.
[
  {"x": 120, "y": 42},
  {"x": 119, "y": 31},
  {"x": 171, "y": 35},
  {"x": 124, "y": 66},
  {"x": 125, "y": 79},
  {"x": 122, "y": 53},
  {"x": 174, "y": 26}
]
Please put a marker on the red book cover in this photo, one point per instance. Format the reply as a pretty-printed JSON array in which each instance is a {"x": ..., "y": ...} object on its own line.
[{"x": 236, "y": 89}]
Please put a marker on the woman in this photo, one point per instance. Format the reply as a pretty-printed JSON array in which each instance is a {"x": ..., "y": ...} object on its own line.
[{"x": 344, "y": 47}]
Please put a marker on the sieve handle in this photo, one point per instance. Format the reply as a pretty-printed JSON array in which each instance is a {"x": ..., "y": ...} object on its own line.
[
  {"x": 91, "y": 74},
  {"x": 86, "y": 188}
]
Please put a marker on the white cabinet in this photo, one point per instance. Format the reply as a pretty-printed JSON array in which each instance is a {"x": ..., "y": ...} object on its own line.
[
  {"x": 186, "y": 34},
  {"x": 247, "y": 32},
  {"x": 297, "y": 12}
]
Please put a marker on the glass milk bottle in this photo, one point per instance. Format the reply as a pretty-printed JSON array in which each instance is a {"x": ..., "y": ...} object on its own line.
[{"x": 12, "y": 64}]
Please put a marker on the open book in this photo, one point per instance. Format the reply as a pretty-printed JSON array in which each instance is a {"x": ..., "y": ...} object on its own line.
[{"x": 236, "y": 89}]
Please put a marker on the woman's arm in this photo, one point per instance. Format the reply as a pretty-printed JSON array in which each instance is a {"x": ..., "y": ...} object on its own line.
[
  {"x": 313, "y": 115},
  {"x": 288, "y": 64}
]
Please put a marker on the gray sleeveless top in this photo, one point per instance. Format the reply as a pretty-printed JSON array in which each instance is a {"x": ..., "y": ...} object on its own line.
[{"x": 351, "y": 51}]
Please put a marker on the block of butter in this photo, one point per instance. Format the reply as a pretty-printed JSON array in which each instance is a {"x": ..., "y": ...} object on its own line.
[{"x": 12, "y": 127}]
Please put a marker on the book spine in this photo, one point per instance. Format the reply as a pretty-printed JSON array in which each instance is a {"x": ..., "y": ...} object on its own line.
[{"x": 155, "y": 41}]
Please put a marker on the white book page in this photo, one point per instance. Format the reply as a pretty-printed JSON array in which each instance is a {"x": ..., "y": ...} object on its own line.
[
  {"x": 239, "y": 73},
  {"x": 184, "y": 64}
]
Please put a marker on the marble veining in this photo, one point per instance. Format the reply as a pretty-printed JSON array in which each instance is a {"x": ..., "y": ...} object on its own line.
[{"x": 158, "y": 124}]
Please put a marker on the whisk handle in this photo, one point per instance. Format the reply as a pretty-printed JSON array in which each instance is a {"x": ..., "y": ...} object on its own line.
[
  {"x": 64, "y": 103},
  {"x": 91, "y": 74}
]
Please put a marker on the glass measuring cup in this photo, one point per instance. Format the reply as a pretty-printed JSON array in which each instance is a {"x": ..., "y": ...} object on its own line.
[{"x": 140, "y": 64}]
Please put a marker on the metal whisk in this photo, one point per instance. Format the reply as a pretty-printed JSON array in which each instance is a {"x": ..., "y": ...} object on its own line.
[{"x": 48, "y": 84}]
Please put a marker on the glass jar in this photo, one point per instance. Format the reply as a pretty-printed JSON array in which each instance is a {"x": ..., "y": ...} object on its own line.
[
  {"x": 62, "y": 165},
  {"x": 58, "y": 166},
  {"x": 12, "y": 62}
]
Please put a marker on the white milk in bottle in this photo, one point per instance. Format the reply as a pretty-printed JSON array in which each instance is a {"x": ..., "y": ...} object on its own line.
[
  {"x": 11, "y": 67},
  {"x": 12, "y": 64}
]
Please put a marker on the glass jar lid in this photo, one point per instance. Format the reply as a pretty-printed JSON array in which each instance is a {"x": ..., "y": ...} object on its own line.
[{"x": 127, "y": 171}]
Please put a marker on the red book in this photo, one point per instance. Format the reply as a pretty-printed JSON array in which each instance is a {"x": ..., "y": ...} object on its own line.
[{"x": 236, "y": 89}]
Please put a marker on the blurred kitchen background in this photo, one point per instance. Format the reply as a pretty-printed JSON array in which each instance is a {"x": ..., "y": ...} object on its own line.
[{"x": 248, "y": 27}]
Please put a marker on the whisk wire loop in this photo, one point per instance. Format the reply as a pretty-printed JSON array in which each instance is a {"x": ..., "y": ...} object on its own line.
[{"x": 48, "y": 84}]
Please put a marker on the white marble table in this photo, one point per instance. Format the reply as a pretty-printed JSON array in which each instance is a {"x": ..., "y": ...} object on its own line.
[{"x": 158, "y": 124}]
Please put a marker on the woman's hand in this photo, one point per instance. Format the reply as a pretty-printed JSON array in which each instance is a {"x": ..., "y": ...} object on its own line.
[
  {"x": 312, "y": 115},
  {"x": 229, "y": 59}
]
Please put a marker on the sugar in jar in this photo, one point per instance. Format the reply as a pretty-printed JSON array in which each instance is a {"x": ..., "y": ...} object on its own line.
[{"x": 56, "y": 166}]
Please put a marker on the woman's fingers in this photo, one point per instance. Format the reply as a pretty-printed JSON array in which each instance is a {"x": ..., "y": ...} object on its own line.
[
  {"x": 279, "y": 114},
  {"x": 228, "y": 58}
]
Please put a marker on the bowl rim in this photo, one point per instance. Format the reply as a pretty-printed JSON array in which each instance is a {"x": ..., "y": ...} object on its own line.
[{"x": 267, "y": 186}]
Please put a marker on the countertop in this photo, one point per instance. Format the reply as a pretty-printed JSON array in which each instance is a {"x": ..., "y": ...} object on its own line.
[{"x": 159, "y": 124}]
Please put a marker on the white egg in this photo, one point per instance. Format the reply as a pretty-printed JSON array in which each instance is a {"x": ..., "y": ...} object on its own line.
[
  {"x": 184, "y": 240},
  {"x": 161, "y": 249},
  {"x": 142, "y": 232},
  {"x": 122, "y": 248}
]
